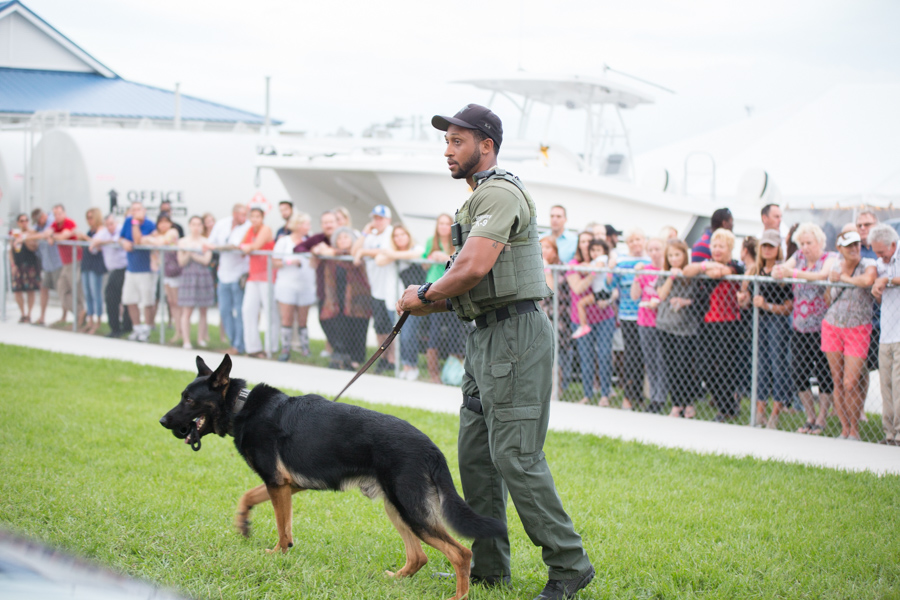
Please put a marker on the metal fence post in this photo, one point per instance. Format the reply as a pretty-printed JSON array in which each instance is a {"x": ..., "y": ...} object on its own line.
[
  {"x": 163, "y": 301},
  {"x": 555, "y": 394},
  {"x": 4, "y": 277},
  {"x": 398, "y": 349},
  {"x": 754, "y": 371},
  {"x": 76, "y": 285},
  {"x": 270, "y": 293}
]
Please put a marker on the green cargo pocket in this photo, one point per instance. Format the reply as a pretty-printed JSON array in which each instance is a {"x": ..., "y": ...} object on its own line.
[
  {"x": 501, "y": 369},
  {"x": 515, "y": 430},
  {"x": 500, "y": 387}
]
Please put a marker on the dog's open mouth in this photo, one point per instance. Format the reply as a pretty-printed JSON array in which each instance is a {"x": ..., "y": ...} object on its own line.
[
  {"x": 195, "y": 433},
  {"x": 196, "y": 428}
]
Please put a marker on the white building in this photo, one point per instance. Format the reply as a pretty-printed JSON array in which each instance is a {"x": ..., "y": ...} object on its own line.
[{"x": 73, "y": 132}]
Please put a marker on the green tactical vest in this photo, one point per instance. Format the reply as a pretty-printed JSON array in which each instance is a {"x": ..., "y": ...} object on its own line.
[{"x": 518, "y": 273}]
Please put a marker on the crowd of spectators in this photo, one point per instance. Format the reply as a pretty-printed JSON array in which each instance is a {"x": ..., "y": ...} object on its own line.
[
  {"x": 686, "y": 336},
  {"x": 650, "y": 324}
]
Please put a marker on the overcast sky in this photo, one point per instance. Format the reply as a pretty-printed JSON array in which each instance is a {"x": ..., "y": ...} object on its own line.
[{"x": 353, "y": 63}]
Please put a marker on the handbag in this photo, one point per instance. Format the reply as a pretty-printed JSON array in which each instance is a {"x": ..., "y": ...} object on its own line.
[{"x": 171, "y": 268}]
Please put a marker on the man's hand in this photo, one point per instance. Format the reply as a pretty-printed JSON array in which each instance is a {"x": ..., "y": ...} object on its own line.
[
  {"x": 879, "y": 287},
  {"x": 409, "y": 301}
]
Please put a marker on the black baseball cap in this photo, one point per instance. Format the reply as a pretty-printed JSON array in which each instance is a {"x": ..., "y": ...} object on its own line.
[
  {"x": 473, "y": 116},
  {"x": 610, "y": 230}
]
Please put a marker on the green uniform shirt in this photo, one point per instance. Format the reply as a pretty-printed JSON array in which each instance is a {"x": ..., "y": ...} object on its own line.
[{"x": 498, "y": 211}]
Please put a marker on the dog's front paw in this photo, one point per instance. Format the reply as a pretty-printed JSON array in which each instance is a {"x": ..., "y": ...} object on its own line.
[
  {"x": 278, "y": 547},
  {"x": 242, "y": 523}
]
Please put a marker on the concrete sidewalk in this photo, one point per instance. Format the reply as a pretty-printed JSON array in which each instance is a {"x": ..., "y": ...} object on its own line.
[{"x": 697, "y": 436}]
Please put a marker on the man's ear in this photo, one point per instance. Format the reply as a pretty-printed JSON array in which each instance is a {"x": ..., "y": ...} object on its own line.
[
  {"x": 220, "y": 377},
  {"x": 202, "y": 369}
]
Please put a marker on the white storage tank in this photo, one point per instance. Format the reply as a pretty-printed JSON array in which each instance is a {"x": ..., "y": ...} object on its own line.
[
  {"x": 196, "y": 171},
  {"x": 12, "y": 176}
]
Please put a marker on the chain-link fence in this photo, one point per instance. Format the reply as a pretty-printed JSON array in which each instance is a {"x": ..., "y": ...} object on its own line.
[
  {"x": 740, "y": 349},
  {"x": 786, "y": 354}
]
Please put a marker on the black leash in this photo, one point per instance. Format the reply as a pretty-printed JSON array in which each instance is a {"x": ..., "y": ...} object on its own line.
[{"x": 384, "y": 346}]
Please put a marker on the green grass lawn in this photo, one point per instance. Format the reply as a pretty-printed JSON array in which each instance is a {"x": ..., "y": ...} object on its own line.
[
  {"x": 87, "y": 467},
  {"x": 870, "y": 430}
]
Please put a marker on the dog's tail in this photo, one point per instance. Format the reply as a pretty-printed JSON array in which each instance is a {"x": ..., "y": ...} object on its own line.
[{"x": 459, "y": 515}]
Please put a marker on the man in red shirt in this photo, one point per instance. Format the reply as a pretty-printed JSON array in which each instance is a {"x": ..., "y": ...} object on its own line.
[{"x": 69, "y": 281}]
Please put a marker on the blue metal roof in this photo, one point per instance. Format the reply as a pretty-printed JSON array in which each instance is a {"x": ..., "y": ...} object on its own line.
[{"x": 93, "y": 95}]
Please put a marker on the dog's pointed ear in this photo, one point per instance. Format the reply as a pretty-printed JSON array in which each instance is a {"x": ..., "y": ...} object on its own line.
[
  {"x": 220, "y": 377},
  {"x": 202, "y": 369}
]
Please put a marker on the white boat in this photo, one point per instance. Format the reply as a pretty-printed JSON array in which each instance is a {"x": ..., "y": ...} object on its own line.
[{"x": 598, "y": 184}]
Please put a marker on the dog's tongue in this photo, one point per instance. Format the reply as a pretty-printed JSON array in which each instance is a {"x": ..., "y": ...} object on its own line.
[{"x": 187, "y": 440}]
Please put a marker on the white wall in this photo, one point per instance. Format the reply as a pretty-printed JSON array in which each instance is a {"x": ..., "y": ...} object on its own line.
[{"x": 24, "y": 46}]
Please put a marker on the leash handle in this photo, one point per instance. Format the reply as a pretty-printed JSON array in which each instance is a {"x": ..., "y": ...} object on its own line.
[
  {"x": 194, "y": 437},
  {"x": 378, "y": 353}
]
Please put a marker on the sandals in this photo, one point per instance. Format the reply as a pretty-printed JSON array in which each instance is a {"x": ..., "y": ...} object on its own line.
[{"x": 812, "y": 428}]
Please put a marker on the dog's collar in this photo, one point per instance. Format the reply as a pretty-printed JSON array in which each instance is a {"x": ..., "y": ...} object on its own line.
[{"x": 240, "y": 401}]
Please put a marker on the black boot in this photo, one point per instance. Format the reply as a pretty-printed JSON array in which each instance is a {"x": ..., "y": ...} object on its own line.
[{"x": 558, "y": 589}]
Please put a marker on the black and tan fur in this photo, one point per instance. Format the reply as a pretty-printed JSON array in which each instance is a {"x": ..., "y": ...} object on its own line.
[{"x": 309, "y": 443}]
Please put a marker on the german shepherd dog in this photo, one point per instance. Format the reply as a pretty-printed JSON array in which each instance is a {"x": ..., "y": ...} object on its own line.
[{"x": 310, "y": 443}]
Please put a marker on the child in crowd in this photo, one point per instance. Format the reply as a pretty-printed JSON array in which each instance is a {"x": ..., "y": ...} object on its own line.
[
  {"x": 680, "y": 311},
  {"x": 600, "y": 258}
]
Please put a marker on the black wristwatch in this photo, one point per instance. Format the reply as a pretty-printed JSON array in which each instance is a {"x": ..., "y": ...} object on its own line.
[{"x": 423, "y": 289}]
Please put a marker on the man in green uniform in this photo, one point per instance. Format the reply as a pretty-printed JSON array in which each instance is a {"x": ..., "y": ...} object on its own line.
[{"x": 496, "y": 280}]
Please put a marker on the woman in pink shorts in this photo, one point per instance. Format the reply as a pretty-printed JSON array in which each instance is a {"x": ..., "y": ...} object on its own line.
[{"x": 846, "y": 329}]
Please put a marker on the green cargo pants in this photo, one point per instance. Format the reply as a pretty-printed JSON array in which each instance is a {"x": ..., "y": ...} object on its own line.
[{"x": 508, "y": 366}]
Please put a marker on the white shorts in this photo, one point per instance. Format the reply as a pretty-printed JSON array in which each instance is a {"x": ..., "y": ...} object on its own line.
[
  {"x": 139, "y": 288},
  {"x": 172, "y": 282},
  {"x": 295, "y": 295}
]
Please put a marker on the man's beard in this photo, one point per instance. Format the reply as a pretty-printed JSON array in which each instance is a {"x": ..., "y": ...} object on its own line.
[{"x": 468, "y": 168}]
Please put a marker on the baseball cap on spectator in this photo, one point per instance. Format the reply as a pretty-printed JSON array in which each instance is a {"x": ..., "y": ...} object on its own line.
[
  {"x": 473, "y": 116},
  {"x": 610, "y": 230},
  {"x": 770, "y": 237},
  {"x": 847, "y": 238},
  {"x": 381, "y": 211}
]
